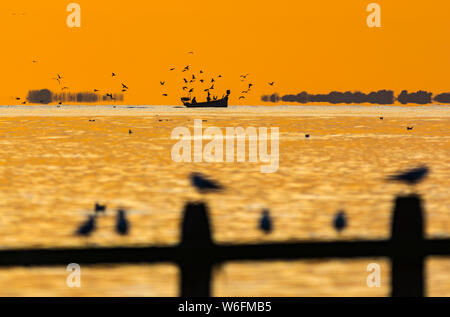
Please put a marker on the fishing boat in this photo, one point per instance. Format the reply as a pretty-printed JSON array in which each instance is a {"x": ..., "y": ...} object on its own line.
[{"x": 192, "y": 103}]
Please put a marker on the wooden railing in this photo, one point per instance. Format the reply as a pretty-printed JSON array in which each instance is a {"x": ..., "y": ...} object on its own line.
[{"x": 197, "y": 253}]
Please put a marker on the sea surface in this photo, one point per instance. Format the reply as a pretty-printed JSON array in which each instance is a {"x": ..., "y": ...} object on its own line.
[{"x": 56, "y": 162}]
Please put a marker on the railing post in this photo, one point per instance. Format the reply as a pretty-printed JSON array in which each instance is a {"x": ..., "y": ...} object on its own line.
[
  {"x": 407, "y": 234},
  {"x": 196, "y": 234}
]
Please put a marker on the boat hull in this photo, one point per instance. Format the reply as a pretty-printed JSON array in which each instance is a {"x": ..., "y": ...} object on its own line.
[{"x": 221, "y": 103}]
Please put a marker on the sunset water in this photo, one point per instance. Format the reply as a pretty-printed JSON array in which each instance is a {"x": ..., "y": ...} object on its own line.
[{"x": 57, "y": 162}]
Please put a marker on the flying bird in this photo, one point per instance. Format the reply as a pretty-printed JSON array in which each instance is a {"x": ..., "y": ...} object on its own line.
[
  {"x": 113, "y": 74},
  {"x": 124, "y": 86},
  {"x": 271, "y": 83},
  {"x": 204, "y": 184},
  {"x": 191, "y": 90},
  {"x": 340, "y": 221},
  {"x": 122, "y": 225},
  {"x": 265, "y": 222},
  {"x": 241, "y": 97},
  {"x": 173, "y": 68},
  {"x": 165, "y": 95},
  {"x": 162, "y": 83},
  {"x": 87, "y": 227},
  {"x": 307, "y": 136},
  {"x": 186, "y": 68},
  {"x": 411, "y": 176},
  {"x": 409, "y": 128},
  {"x": 184, "y": 88},
  {"x": 185, "y": 80},
  {"x": 212, "y": 87},
  {"x": 381, "y": 118},
  {"x": 130, "y": 132}
]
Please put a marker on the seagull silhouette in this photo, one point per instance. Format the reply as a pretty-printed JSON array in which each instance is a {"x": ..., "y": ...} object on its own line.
[
  {"x": 113, "y": 74},
  {"x": 124, "y": 86},
  {"x": 99, "y": 208},
  {"x": 265, "y": 222},
  {"x": 411, "y": 176},
  {"x": 162, "y": 83},
  {"x": 87, "y": 227},
  {"x": 340, "y": 221},
  {"x": 409, "y": 128},
  {"x": 271, "y": 83},
  {"x": 204, "y": 184},
  {"x": 122, "y": 226}
]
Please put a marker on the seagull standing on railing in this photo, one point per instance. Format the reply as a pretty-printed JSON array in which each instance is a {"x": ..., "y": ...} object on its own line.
[
  {"x": 412, "y": 176},
  {"x": 122, "y": 226},
  {"x": 204, "y": 184},
  {"x": 87, "y": 227},
  {"x": 340, "y": 221},
  {"x": 265, "y": 223}
]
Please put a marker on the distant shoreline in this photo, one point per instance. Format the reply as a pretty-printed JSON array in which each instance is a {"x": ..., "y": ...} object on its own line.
[{"x": 176, "y": 110}]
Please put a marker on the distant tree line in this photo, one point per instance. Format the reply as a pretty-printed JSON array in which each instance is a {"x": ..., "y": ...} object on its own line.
[
  {"x": 381, "y": 97},
  {"x": 45, "y": 96}
]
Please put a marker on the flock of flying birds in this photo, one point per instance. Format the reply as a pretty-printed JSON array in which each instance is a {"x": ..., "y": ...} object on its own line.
[
  {"x": 187, "y": 87},
  {"x": 199, "y": 77}
]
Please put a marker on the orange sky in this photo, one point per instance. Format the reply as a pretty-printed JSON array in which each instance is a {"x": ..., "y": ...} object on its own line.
[{"x": 317, "y": 46}]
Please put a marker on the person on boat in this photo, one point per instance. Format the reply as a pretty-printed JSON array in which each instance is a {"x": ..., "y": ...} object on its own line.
[
  {"x": 194, "y": 101},
  {"x": 209, "y": 97}
]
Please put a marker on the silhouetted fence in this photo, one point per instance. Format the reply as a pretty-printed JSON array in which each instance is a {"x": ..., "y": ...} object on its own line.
[{"x": 196, "y": 254}]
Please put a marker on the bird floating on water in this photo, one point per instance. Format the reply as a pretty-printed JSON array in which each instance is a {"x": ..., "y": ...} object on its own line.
[
  {"x": 411, "y": 176},
  {"x": 265, "y": 223},
  {"x": 99, "y": 208},
  {"x": 204, "y": 184},
  {"x": 340, "y": 221}
]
